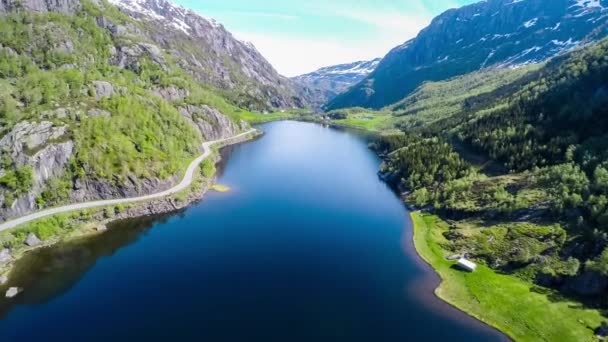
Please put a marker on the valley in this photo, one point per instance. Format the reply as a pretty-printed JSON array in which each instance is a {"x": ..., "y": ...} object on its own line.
[{"x": 481, "y": 138}]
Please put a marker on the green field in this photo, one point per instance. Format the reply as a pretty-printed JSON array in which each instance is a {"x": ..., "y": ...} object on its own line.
[
  {"x": 371, "y": 121},
  {"x": 517, "y": 308},
  {"x": 258, "y": 118}
]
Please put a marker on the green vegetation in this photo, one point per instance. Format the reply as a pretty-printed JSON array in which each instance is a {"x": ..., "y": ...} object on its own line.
[
  {"x": 434, "y": 101},
  {"x": 259, "y": 118},
  {"x": 49, "y": 64},
  {"x": 516, "y": 307},
  {"x": 516, "y": 162},
  {"x": 362, "y": 119},
  {"x": 220, "y": 188}
]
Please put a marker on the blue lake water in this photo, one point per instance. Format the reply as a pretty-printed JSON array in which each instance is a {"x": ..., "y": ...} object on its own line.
[{"x": 308, "y": 246}]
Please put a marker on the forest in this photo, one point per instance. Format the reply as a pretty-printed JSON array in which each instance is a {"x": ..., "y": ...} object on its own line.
[{"x": 545, "y": 126}]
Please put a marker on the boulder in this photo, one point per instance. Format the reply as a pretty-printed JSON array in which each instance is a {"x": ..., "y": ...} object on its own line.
[
  {"x": 5, "y": 256},
  {"x": 3, "y": 280},
  {"x": 103, "y": 89},
  {"x": 32, "y": 240},
  {"x": 101, "y": 228},
  {"x": 12, "y": 292}
]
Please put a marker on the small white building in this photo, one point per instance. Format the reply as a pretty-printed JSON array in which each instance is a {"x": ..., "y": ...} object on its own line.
[{"x": 467, "y": 265}]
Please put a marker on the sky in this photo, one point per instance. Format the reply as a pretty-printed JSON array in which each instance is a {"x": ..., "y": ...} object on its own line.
[{"x": 300, "y": 36}]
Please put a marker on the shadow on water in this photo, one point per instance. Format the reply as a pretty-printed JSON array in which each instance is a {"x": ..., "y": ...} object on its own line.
[{"x": 49, "y": 272}]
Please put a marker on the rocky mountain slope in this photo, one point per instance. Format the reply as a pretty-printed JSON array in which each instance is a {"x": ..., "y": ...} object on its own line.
[
  {"x": 208, "y": 51},
  {"x": 493, "y": 33},
  {"x": 98, "y": 102},
  {"x": 329, "y": 82}
]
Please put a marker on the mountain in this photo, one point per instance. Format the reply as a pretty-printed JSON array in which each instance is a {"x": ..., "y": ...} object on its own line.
[
  {"x": 489, "y": 34},
  {"x": 516, "y": 161},
  {"x": 100, "y": 101},
  {"x": 211, "y": 54},
  {"x": 329, "y": 82}
]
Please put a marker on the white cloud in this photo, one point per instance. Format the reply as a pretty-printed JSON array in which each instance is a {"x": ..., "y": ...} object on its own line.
[
  {"x": 293, "y": 56},
  {"x": 296, "y": 56},
  {"x": 391, "y": 22}
]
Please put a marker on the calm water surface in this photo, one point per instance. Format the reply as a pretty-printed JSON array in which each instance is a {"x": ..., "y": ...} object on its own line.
[{"x": 309, "y": 246}]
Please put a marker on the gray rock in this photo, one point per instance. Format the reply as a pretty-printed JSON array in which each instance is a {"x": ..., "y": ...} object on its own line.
[
  {"x": 51, "y": 161},
  {"x": 96, "y": 113},
  {"x": 154, "y": 52},
  {"x": 12, "y": 292},
  {"x": 127, "y": 57},
  {"x": 103, "y": 89},
  {"x": 5, "y": 256},
  {"x": 171, "y": 93},
  {"x": 3, "y": 280},
  {"x": 210, "y": 122},
  {"x": 27, "y": 136},
  {"x": 32, "y": 240},
  {"x": 101, "y": 228},
  {"x": 41, "y": 6}
]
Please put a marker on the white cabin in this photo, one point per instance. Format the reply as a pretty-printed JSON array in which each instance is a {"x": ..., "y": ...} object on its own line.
[{"x": 467, "y": 265}]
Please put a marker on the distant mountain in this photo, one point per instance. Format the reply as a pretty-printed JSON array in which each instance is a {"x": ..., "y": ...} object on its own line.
[
  {"x": 329, "y": 82},
  {"x": 493, "y": 33}
]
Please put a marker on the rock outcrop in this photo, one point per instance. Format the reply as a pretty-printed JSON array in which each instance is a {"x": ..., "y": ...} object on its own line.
[
  {"x": 5, "y": 256},
  {"x": 39, "y": 146},
  {"x": 41, "y": 6},
  {"x": 171, "y": 93},
  {"x": 210, "y": 122},
  {"x": 32, "y": 240},
  {"x": 103, "y": 89}
]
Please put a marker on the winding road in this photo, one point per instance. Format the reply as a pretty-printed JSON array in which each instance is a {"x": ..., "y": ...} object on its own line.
[{"x": 186, "y": 181}]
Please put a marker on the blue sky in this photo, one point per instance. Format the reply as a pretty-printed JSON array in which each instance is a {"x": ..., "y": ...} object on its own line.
[{"x": 299, "y": 36}]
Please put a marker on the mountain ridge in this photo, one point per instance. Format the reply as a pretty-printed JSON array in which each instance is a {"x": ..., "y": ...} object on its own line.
[
  {"x": 494, "y": 33},
  {"x": 330, "y": 81}
]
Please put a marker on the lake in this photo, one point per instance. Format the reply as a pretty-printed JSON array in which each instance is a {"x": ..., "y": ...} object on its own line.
[{"x": 308, "y": 246}]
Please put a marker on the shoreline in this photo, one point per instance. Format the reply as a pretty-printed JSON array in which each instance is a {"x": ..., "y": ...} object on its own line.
[
  {"x": 426, "y": 288},
  {"x": 487, "y": 296},
  {"x": 459, "y": 299},
  {"x": 155, "y": 206}
]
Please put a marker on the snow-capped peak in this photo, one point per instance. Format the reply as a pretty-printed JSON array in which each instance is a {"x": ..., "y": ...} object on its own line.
[{"x": 173, "y": 15}]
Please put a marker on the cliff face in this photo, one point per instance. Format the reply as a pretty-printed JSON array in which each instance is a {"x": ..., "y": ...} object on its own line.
[
  {"x": 493, "y": 33},
  {"x": 101, "y": 101}
]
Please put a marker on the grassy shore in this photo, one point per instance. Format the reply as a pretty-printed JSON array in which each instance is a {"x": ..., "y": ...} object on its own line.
[
  {"x": 517, "y": 308},
  {"x": 371, "y": 121}
]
